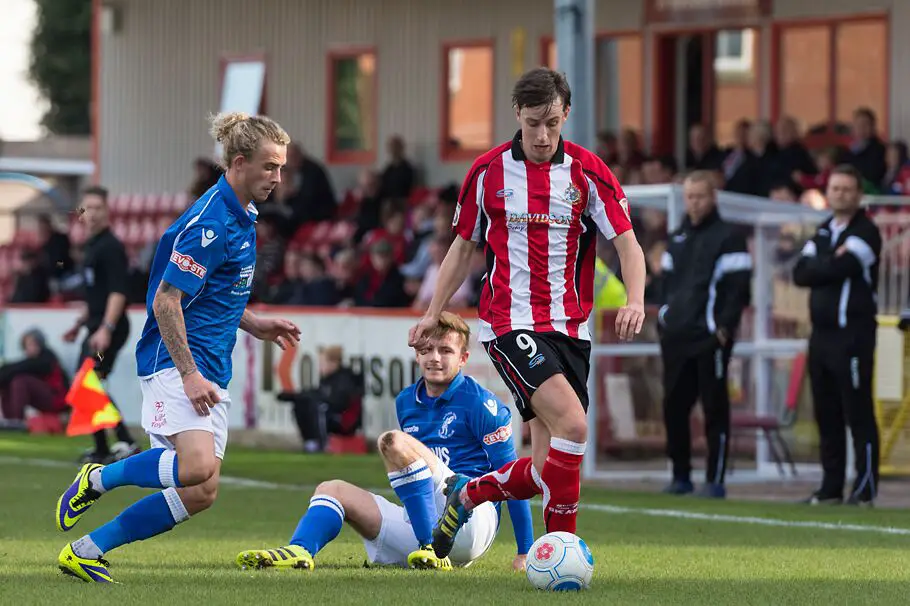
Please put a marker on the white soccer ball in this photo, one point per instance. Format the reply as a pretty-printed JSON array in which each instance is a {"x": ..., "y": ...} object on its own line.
[{"x": 560, "y": 561}]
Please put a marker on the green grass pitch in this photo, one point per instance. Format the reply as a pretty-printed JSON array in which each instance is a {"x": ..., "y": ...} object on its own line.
[{"x": 643, "y": 555}]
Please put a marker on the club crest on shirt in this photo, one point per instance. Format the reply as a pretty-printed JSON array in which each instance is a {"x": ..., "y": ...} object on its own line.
[
  {"x": 572, "y": 195},
  {"x": 445, "y": 430}
]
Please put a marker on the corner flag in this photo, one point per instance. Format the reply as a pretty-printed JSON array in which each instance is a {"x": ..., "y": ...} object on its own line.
[{"x": 92, "y": 408}]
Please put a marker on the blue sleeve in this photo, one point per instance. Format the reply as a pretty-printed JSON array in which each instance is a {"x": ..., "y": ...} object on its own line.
[
  {"x": 520, "y": 514},
  {"x": 495, "y": 434},
  {"x": 492, "y": 426},
  {"x": 198, "y": 251}
]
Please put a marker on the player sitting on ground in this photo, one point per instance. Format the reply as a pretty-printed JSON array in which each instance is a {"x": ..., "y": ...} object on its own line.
[{"x": 449, "y": 424}]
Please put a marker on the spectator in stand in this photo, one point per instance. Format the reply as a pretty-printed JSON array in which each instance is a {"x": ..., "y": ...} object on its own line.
[
  {"x": 31, "y": 284},
  {"x": 897, "y": 176},
  {"x": 270, "y": 246},
  {"x": 741, "y": 168},
  {"x": 422, "y": 259},
  {"x": 825, "y": 161},
  {"x": 313, "y": 288},
  {"x": 607, "y": 148},
  {"x": 703, "y": 152},
  {"x": 343, "y": 271},
  {"x": 205, "y": 174},
  {"x": 784, "y": 191},
  {"x": 381, "y": 285},
  {"x": 763, "y": 147},
  {"x": 281, "y": 293},
  {"x": 54, "y": 249},
  {"x": 398, "y": 176},
  {"x": 368, "y": 203},
  {"x": 793, "y": 158},
  {"x": 867, "y": 152},
  {"x": 310, "y": 194},
  {"x": 659, "y": 170},
  {"x": 37, "y": 381},
  {"x": 392, "y": 230},
  {"x": 462, "y": 297},
  {"x": 629, "y": 153}
]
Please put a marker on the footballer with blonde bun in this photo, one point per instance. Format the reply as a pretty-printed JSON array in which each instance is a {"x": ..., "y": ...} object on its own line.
[{"x": 200, "y": 282}]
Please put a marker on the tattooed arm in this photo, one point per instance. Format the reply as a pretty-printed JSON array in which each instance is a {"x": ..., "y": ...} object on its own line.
[{"x": 169, "y": 314}]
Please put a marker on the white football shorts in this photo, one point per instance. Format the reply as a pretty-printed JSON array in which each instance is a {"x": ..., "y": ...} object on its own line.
[
  {"x": 396, "y": 537},
  {"x": 166, "y": 411}
]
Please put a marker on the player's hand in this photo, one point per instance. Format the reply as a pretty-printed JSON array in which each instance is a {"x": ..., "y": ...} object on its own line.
[
  {"x": 70, "y": 335},
  {"x": 520, "y": 562},
  {"x": 418, "y": 334},
  {"x": 629, "y": 321},
  {"x": 100, "y": 340},
  {"x": 282, "y": 332},
  {"x": 201, "y": 393}
]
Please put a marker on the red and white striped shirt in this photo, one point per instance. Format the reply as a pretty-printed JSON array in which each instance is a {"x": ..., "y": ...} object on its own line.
[{"x": 538, "y": 223}]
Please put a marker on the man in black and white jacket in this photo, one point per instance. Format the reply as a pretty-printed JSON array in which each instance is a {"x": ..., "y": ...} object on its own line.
[
  {"x": 840, "y": 266},
  {"x": 707, "y": 274}
]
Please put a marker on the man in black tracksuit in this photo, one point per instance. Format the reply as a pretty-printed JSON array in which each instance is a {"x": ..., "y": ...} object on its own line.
[
  {"x": 106, "y": 275},
  {"x": 840, "y": 265},
  {"x": 707, "y": 273}
]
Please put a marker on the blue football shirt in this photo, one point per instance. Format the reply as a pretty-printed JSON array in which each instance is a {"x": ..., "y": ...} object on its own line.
[
  {"x": 467, "y": 427},
  {"x": 209, "y": 253}
]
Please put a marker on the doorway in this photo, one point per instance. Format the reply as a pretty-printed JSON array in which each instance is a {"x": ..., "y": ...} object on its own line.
[{"x": 704, "y": 77}]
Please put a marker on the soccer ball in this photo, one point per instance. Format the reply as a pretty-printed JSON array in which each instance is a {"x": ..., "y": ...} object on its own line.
[{"x": 560, "y": 561}]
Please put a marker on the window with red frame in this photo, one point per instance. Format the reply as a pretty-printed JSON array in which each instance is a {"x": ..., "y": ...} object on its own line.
[
  {"x": 467, "y": 100},
  {"x": 352, "y": 107},
  {"x": 826, "y": 70}
]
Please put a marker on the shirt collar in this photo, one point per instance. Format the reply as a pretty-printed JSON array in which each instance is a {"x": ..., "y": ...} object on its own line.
[
  {"x": 446, "y": 395},
  {"x": 518, "y": 154},
  {"x": 247, "y": 216}
]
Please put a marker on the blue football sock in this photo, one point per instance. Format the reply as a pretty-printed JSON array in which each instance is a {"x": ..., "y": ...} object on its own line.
[
  {"x": 320, "y": 524},
  {"x": 146, "y": 518},
  {"x": 154, "y": 468},
  {"x": 414, "y": 487}
]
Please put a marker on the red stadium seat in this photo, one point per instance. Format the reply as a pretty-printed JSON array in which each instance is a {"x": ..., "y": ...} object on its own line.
[
  {"x": 120, "y": 227},
  {"x": 771, "y": 426},
  {"x": 148, "y": 230},
  {"x": 119, "y": 204},
  {"x": 180, "y": 202},
  {"x": 136, "y": 205},
  {"x": 151, "y": 205}
]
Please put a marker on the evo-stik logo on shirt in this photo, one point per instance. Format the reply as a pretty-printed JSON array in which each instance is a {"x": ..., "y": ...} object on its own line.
[{"x": 188, "y": 264}]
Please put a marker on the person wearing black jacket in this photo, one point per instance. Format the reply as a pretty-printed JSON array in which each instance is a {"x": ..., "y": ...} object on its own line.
[
  {"x": 707, "y": 272},
  {"x": 37, "y": 381},
  {"x": 334, "y": 407},
  {"x": 106, "y": 273},
  {"x": 840, "y": 266}
]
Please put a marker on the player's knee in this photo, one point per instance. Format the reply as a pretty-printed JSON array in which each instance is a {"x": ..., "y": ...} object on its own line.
[
  {"x": 573, "y": 428},
  {"x": 390, "y": 442},
  {"x": 199, "y": 498},
  {"x": 331, "y": 488},
  {"x": 196, "y": 471}
]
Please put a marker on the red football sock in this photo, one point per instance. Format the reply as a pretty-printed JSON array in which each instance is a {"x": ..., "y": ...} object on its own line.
[
  {"x": 561, "y": 479},
  {"x": 511, "y": 483}
]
